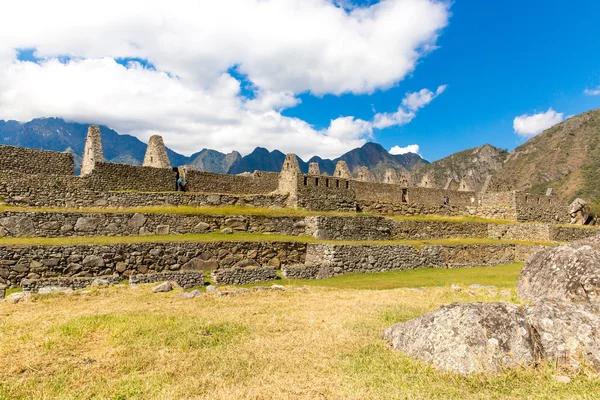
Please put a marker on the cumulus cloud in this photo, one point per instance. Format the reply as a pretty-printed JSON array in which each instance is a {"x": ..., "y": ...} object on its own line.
[
  {"x": 282, "y": 48},
  {"x": 406, "y": 111},
  {"x": 420, "y": 99},
  {"x": 531, "y": 125},
  {"x": 411, "y": 148},
  {"x": 593, "y": 92}
]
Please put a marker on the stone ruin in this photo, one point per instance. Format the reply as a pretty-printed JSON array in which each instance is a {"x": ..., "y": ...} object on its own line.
[
  {"x": 92, "y": 153},
  {"x": 364, "y": 175},
  {"x": 391, "y": 176},
  {"x": 156, "y": 153},
  {"x": 342, "y": 170},
  {"x": 313, "y": 169}
]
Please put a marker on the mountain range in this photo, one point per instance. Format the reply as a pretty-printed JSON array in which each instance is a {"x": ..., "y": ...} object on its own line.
[
  {"x": 59, "y": 135},
  {"x": 565, "y": 157}
]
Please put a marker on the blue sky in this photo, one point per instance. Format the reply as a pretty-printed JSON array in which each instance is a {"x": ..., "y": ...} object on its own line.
[
  {"x": 312, "y": 77},
  {"x": 500, "y": 59}
]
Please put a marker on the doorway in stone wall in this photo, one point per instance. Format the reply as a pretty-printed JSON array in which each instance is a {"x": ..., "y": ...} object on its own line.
[{"x": 176, "y": 170}]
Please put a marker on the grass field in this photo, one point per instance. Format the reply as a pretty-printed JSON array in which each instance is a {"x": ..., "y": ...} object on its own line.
[
  {"x": 244, "y": 237},
  {"x": 310, "y": 342}
]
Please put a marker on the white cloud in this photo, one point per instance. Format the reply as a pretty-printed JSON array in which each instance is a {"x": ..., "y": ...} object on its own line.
[
  {"x": 593, "y": 92},
  {"x": 406, "y": 111},
  {"x": 411, "y": 148},
  {"x": 420, "y": 99},
  {"x": 531, "y": 125},
  {"x": 284, "y": 47}
]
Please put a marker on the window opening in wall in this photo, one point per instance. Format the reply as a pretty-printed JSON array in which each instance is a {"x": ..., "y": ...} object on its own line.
[
  {"x": 305, "y": 181},
  {"x": 337, "y": 183},
  {"x": 538, "y": 200},
  {"x": 316, "y": 181},
  {"x": 549, "y": 201},
  {"x": 404, "y": 195},
  {"x": 327, "y": 182},
  {"x": 526, "y": 199},
  {"x": 347, "y": 184},
  {"x": 151, "y": 159}
]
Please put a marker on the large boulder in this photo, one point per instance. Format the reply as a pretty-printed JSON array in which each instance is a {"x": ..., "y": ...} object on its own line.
[
  {"x": 580, "y": 212},
  {"x": 568, "y": 333},
  {"x": 569, "y": 273},
  {"x": 468, "y": 337},
  {"x": 17, "y": 226}
]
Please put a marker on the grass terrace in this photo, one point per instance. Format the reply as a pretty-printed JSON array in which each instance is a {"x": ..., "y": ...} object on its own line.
[
  {"x": 308, "y": 342},
  {"x": 239, "y": 210},
  {"x": 247, "y": 237}
]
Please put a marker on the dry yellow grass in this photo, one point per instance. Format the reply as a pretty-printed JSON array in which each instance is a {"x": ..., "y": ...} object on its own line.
[{"x": 304, "y": 343}]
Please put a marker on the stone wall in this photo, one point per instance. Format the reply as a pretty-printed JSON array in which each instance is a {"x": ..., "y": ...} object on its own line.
[
  {"x": 500, "y": 205},
  {"x": 535, "y": 208},
  {"x": 335, "y": 260},
  {"x": 531, "y": 232},
  {"x": 185, "y": 279},
  {"x": 560, "y": 233},
  {"x": 243, "y": 276},
  {"x": 258, "y": 183},
  {"x": 60, "y": 224},
  {"x": 349, "y": 228},
  {"x": 460, "y": 256},
  {"x": 111, "y": 176},
  {"x": 523, "y": 252},
  {"x": 29, "y": 161},
  {"x": 34, "y": 285},
  {"x": 368, "y": 192},
  {"x": 324, "y": 193},
  {"x": 75, "y": 192},
  {"x": 35, "y": 262},
  {"x": 421, "y": 230}
]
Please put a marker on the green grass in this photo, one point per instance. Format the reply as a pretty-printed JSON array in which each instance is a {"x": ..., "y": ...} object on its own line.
[
  {"x": 502, "y": 276},
  {"x": 246, "y": 237},
  {"x": 302, "y": 343}
]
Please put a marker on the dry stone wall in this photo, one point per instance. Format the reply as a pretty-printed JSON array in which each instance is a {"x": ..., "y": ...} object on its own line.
[
  {"x": 60, "y": 224},
  {"x": 258, "y": 183},
  {"x": 460, "y": 256},
  {"x": 420, "y": 230},
  {"x": 111, "y": 176},
  {"x": 35, "y": 262},
  {"x": 243, "y": 276},
  {"x": 323, "y": 193},
  {"x": 34, "y": 285},
  {"x": 29, "y": 161},
  {"x": 349, "y": 228},
  {"x": 535, "y": 208},
  {"x": 76, "y": 192},
  {"x": 185, "y": 279}
]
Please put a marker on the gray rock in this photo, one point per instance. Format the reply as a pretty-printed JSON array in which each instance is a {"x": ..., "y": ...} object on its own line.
[
  {"x": 17, "y": 226},
  {"x": 17, "y": 297},
  {"x": 580, "y": 212},
  {"x": 2, "y": 290},
  {"x": 163, "y": 287},
  {"x": 137, "y": 221},
  {"x": 277, "y": 287},
  {"x": 199, "y": 264},
  {"x": 570, "y": 273},
  {"x": 192, "y": 294},
  {"x": 87, "y": 224},
  {"x": 50, "y": 226},
  {"x": 100, "y": 282},
  {"x": 201, "y": 227},
  {"x": 468, "y": 337},
  {"x": 227, "y": 231},
  {"x": 568, "y": 332},
  {"x": 163, "y": 229},
  {"x": 55, "y": 289},
  {"x": 93, "y": 261},
  {"x": 211, "y": 288}
]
